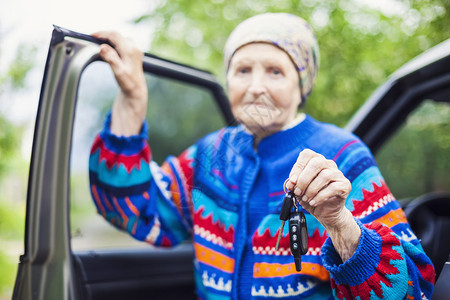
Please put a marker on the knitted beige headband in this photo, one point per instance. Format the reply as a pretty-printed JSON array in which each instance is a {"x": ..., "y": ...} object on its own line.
[{"x": 288, "y": 32}]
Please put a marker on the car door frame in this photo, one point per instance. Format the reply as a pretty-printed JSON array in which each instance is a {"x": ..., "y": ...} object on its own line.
[
  {"x": 425, "y": 77},
  {"x": 49, "y": 269}
]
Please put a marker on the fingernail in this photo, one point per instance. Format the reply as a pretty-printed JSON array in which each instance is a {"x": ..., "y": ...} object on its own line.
[
  {"x": 312, "y": 203},
  {"x": 304, "y": 198},
  {"x": 293, "y": 178},
  {"x": 297, "y": 191}
]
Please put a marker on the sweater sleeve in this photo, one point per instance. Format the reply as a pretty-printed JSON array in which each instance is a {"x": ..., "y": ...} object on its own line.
[
  {"x": 389, "y": 262},
  {"x": 152, "y": 203}
]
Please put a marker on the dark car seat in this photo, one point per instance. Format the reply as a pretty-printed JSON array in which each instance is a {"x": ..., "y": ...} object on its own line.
[{"x": 429, "y": 217}]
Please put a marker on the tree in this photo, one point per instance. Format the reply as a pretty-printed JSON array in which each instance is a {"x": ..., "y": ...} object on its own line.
[
  {"x": 12, "y": 213},
  {"x": 361, "y": 42},
  {"x": 13, "y": 80}
]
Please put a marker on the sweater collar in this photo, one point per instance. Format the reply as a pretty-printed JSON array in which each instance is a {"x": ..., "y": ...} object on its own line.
[{"x": 284, "y": 141}]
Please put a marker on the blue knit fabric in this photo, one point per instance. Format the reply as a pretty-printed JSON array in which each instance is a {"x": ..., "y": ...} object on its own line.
[{"x": 227, "y": 196}]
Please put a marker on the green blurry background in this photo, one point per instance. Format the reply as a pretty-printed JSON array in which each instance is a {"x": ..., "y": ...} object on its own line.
[{"x": 361, "y": 43}]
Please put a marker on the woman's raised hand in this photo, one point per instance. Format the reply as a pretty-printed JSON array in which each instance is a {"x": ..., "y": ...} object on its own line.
[
  {"x": 125, "y": 59},
  {"x": 322, "y": 190}
]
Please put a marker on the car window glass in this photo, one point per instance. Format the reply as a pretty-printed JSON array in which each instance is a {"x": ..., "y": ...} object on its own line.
[
  {"x": 416, "y": 160},
  {"x": 178, "y": 114}
]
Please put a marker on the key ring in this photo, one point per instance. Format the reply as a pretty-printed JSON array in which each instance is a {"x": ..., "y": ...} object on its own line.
[
  {"x": 286, "y": 191},
  {"x": 284, "y": 186}
]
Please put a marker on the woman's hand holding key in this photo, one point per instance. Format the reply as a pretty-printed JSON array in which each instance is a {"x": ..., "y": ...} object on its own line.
[{"x": 322, "y": 190}]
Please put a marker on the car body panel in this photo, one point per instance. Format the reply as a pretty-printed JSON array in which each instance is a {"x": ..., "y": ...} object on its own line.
[{"x": 45, "y": 267}]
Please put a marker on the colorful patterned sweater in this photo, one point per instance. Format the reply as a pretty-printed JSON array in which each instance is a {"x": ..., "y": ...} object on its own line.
[{"x": 226, "y": 196}]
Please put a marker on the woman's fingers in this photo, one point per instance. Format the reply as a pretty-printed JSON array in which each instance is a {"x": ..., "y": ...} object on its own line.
[
  {"x": 307, "y": 167},
  {"x": 320, "y": 186},
  {"x": 111, "y": 56},
  {"x": 309, "y": 175},
  {"x": 321, "y": 181},
  {"x": 313, "y": 173},
  {"x": 336, "y": 190},
  {"x": 124, "y": 74},
  {"x": 303, "y": 159},
  {"x": 125, "y": 60},
  {"x": 125, "y": 48},
  {"x": 121, "y": 44}
]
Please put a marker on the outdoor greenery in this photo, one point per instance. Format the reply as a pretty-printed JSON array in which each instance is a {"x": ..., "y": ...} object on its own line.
[
  {"x": 13, "y": 171},
  {"x": 417, "y": 160},
  {"x": 12, "y": 221},
  {"x": 361, "y": 43}
]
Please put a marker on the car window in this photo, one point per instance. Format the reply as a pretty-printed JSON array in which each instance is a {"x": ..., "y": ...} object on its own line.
[
  {"x": 178, "y": 114},
  {"x": 416, "y": 160}
]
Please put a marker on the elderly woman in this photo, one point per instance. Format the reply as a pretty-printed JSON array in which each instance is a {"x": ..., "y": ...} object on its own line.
[{"x": 226, "y": 191}]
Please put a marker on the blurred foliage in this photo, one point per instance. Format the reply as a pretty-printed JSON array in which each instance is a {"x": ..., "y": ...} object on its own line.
[
  {"x": 12, "y": 171},
  {"x": 14, "y": 77},
  {"x": 417, "y": 160},
  {"x": 12, "y": 224},
  {"x": 178, "y": 113},
  {"x": 186, "y": 118},
  {"x": 10, "y": 136},
  {"x": 13, "y": 80},
  {"x": 8, "y": 269},
  {"x": 361, "y": 42}
]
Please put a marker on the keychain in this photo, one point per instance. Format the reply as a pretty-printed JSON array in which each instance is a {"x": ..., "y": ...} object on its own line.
[{"x": 298, "y": 234}]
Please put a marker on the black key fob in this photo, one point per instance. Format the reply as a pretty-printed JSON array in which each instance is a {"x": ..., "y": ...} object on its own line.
[{"x": 298, "y": 237}]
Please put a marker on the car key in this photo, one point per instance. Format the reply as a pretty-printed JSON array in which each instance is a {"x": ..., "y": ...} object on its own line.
[
  {"x": 298, "y": 237},
  {"x": 286, "y": 208}
]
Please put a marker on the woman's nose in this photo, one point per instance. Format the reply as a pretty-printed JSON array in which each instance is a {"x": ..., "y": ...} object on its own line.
[{"x": 257, "y": 86}]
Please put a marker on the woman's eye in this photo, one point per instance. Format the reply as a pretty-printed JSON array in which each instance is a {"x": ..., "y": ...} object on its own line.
[
  {"x": 243, "y": 70},
  {"x": 275, "y": 71}
]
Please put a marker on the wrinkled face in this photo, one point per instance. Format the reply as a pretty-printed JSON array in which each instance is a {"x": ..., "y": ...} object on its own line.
[{"x": 263, "y": 87}]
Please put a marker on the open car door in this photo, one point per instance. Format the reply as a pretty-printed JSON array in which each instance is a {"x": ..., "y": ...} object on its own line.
[
  {"x": 70, "y": 251},
  {"x": 409, "y": 116}
]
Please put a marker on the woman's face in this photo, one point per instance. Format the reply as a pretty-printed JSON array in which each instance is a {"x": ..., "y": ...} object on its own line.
[{"x": 263, "y": 87}]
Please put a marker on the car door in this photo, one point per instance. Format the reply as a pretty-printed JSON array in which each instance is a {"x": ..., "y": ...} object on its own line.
[
  {"x": 70, "y": 251},
  {"x": 406, "y": 123}
]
